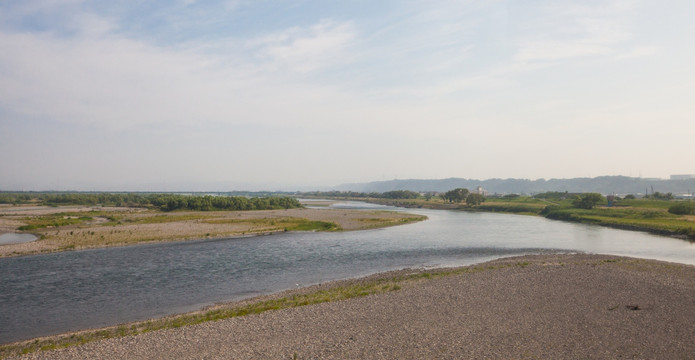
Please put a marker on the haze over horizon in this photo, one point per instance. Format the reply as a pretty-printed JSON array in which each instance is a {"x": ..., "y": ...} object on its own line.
[{"x": 259, "y": 95}]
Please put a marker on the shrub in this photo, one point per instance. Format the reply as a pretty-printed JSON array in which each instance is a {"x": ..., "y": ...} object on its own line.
[
  {"x": 683, "y": 208},
  {"x": 588, "y": 200},
  {"x": 548, "y": 209}
]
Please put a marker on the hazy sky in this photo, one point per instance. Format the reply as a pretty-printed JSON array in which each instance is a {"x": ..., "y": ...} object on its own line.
[{"x": 221, "y": 95}]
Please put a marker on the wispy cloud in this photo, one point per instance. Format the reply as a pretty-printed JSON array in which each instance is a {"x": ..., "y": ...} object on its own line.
[
  {"x": 565, "y": 31},
  {"x": 304, "y": 49},
  {"x": 97, "y": 76}
]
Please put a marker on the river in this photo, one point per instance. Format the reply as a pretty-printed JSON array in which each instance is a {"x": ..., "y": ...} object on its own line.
[{"x": 54, "y": 293}]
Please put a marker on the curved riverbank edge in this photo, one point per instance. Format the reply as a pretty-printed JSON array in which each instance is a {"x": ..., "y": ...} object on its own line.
[
  {"x": 137, "y": 226},
  {"x": 684, "y": 233},
  {"x": 535, "y": 306}
]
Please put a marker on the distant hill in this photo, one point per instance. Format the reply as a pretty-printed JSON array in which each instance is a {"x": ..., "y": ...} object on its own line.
[{"x": 602, "y": 184}]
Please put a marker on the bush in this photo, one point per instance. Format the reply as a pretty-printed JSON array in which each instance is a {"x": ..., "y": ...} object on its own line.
[
  {"x": 683, "y": 208},
  {"x": 474, "y": 199},
  {"x": 548, "y": 209},
  {"x": 400, "y": 194},
  {"x": 588, "y": 200}
]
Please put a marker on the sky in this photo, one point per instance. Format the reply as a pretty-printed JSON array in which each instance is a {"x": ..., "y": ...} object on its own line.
[{"x": 296, "y": 95}]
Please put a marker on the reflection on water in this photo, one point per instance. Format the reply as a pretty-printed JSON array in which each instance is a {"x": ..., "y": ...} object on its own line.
[{"x": 53, "y": 293}]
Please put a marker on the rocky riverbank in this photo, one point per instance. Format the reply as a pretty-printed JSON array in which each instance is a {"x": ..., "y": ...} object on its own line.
[{"x": 550, "y": 306}]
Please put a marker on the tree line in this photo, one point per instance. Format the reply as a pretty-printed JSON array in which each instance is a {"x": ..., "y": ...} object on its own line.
[
  {"x": 164, "y": 202},
  {"x": 395, "y": 194},
  {"x": 455, "y": 196}
]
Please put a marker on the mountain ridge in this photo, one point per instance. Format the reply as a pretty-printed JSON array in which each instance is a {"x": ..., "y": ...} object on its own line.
[{"x": 602, "y": 184}]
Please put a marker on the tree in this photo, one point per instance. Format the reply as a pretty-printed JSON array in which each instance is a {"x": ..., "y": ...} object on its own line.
[
  {"x": 474, "y": 199},
  {"x": 456, "y": 195},
  {"x": 400, "y": 194},
  {"x": 588, "y": 200},
  {"x": 661, "y": 196}
]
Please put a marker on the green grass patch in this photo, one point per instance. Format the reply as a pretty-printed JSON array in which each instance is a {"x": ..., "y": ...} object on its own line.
[
  {"x": 160, "y": 219},
  {"x": 651, "y": 219},
  {"x": 373, "y": 223},
  {"x": 645, "y": 203},
  {"x": 55, "y": 220},
  {"x": 308, "y": 225},
  {"x": 286, "y": 224},
  {"x": 82, "y": 218},
  {"x": 513, "y": 207}
]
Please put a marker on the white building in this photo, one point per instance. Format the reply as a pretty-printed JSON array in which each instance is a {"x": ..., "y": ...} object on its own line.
[{"x": 480, "y": 191}]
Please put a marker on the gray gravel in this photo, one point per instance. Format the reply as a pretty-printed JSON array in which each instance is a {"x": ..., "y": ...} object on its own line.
[{"x": 556, "y": 307}]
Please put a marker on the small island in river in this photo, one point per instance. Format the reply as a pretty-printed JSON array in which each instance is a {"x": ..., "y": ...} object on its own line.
[{"x": 75, "y": 227}]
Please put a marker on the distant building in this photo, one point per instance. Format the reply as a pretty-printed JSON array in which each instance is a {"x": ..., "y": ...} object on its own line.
[
  {"x": 683, "y": 177},
  {"x": 480, "y": 191}
]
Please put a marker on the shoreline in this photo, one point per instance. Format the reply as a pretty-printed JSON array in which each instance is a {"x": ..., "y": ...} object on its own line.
[{"x": 609, "y": 300}]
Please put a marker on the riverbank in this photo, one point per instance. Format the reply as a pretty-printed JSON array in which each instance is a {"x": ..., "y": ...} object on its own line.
[
  {"x": 550, "y": 306},
  {"x": 78, "y": 227},
  {"x": 649, "y": 216}
]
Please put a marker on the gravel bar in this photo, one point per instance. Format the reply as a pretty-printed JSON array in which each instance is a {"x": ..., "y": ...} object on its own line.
[{"x": 572, "y": 306}]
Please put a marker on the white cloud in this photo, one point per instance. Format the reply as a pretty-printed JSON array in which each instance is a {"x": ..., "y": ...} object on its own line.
[
  {"x": 551, "y": 50},
  {"x": 304, "y": 49},
  {"x": 111, "y": 81},
  {"x": 568, "y": 31},
  {"x": 638, "y": 52}
]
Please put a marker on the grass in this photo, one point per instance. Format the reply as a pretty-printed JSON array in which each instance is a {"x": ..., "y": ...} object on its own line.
[
  {"x": 515, "y": 207},
  {"x": 158, "y": 218},
  {"x": 339, "y": 291},
  {"x": 653, "y": 219},
  {"x": 645, "y": 203},
  {"x": 282, "y": 224},
  {"x": 54, "y": 220},
  {"x": 373, "y": 223}
]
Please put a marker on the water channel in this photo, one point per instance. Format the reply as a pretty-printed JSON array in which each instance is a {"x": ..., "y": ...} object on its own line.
[
  {"x": 13, "y": 238},
  {"x": 54, "y": 293}
]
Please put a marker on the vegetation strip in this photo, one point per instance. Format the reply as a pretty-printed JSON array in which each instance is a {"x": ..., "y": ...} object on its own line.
[
  {"x": 164, "y": 202},
  {"x": 339, "y": 291},
  {"x": 659, "y": 213}
]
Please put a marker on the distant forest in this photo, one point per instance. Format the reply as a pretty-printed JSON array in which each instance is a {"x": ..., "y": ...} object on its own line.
[{"x": 164, "y": 202}]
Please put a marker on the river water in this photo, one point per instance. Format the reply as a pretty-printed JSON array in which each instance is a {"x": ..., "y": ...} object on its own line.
[
  {"x": 53, "y": 293},
  {"x": 12, "y": 238}
]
